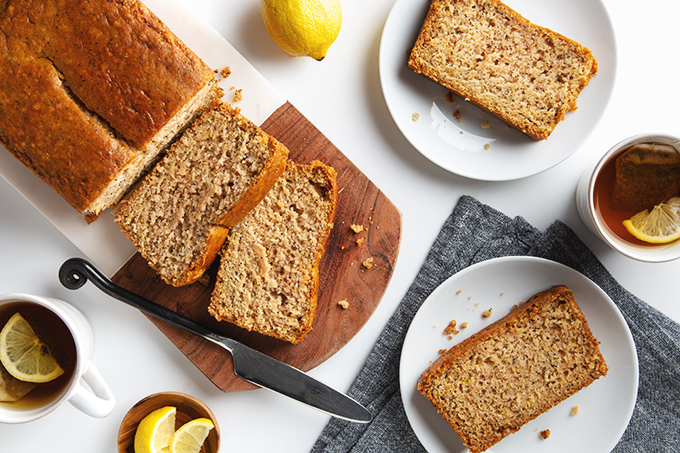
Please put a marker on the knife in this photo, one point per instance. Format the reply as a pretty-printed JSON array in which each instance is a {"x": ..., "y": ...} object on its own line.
[{"x": 249, "y": 364}]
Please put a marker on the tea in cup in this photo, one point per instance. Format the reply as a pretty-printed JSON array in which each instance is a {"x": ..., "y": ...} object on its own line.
[
  {"x": 604, "y": 209},
  {"x": 65, "y": 332}
]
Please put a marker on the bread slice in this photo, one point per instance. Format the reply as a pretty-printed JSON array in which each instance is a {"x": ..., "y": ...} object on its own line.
[
  {"x": 485, "y": 52},
  {"x": 91, "y": 92},
  {"x": 510, "y": 372},
  {"x": 218, "y": 170},
  {"x": 269, "y": 270}
]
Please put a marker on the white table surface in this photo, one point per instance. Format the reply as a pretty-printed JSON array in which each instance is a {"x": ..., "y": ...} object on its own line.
[{"x": 342, "y": 97}]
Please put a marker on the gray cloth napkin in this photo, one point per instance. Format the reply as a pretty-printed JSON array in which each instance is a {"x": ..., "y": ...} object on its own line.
[{"x": 475, "y": 232}]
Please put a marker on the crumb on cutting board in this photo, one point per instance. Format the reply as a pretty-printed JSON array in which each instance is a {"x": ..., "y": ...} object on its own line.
[{"x": 357, "y": 228}]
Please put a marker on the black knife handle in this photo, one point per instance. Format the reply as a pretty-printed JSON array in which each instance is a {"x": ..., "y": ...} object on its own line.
[{"x": 75, "y": 272}]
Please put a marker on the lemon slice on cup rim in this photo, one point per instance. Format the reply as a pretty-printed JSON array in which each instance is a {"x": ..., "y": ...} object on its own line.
[
  {"x": 661, "y": 225},
  {"x": 155, "y": 431},
  {"x": 24, "y": 355}
]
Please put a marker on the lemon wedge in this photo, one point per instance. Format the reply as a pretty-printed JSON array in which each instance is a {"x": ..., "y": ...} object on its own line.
[
  {"x": 303, "y": 27},
  {"x": 189, "y": 437},
  {"x": 155, "y": 431},
  {"x": 23, "y": 355},
  {"x": 660, "y": 226}
]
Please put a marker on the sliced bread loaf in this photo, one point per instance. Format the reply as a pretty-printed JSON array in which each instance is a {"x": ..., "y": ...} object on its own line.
[
  {"x": 218, "y": 170},
  {"x": 500, "y": 378},
  {"x": 482, "y": 50},
  {"x": 91, "y": 92},
  {"x": 269, "y": 269}
]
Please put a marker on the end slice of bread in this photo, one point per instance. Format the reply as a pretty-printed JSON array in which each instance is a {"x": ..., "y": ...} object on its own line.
[
  {"x": 491, "y": 384},
  {"x": 269, "y": 270},
  {"x": 485, "y": 52},
  {"x": 220, "y": 168}
]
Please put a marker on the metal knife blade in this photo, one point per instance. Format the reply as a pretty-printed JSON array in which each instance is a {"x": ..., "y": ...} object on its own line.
[{"x": 249, "y": 364}]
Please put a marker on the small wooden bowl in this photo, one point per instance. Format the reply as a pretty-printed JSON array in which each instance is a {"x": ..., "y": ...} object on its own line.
[{"x": 188, "y": 408}]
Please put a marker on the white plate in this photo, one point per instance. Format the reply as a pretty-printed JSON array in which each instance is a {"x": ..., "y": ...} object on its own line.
[
  {"x": 511, "y": 154},
  {"x": 605, "y": 406}
]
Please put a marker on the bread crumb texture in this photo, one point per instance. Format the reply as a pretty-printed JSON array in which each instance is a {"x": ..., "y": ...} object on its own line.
[
  {"x": 269, "y": 269},
  {"x": 545, "y": 434},
  {"x": 178, "y": 217},
  {"x": 485, "y": 52},
  {"x": 492, "y": 383}
]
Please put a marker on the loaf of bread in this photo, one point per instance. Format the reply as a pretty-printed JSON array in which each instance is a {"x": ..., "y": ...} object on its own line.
[
  {"x": 219, "y": 169},
  {"x": 269, "y": 269},
  {"x": 500, "y": 378},
  {"x": 485, "y": 52},
  {"x": 91, "y": 91}
]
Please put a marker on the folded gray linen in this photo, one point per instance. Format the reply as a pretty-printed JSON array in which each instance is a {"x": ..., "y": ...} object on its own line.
[{"x": 475, "y": 232}]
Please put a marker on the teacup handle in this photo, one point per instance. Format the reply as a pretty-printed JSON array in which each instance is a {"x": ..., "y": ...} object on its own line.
[{"x": 99, "y": 402}]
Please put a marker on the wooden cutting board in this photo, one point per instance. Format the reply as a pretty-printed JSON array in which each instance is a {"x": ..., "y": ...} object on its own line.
[{"x": 342, "y": 274}]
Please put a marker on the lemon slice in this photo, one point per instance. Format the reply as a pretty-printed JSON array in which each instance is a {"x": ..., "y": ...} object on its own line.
[
  {"x": 23, "y": 355},
  {"x": 303, "y": 27},
  {"x": 660, "y": 226},
  {"x": 155, "y": 431},
  {"x": 189, "y": 437}
]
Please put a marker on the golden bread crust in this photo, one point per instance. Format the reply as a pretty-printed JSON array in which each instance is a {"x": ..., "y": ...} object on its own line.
[
  {"x": 491, "y": 384},
  {"x": 526, "y": 75},
  {"x": 86, "y": 86},
  {"x": 268, "y": 280},
  {"x": 221, "y": 167}
]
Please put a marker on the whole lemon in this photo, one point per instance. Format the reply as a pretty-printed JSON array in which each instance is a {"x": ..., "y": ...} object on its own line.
[{"x": 303, "y": 27}]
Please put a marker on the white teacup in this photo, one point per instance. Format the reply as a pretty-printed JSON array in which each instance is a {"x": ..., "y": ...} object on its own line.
[
  {"x": 94, "y": 399},
  {"x": 585, "y": 203}
]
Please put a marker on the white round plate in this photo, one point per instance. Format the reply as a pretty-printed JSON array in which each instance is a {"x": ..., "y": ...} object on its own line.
[
  {"x": 605, "y": 407},
  {"x": 460, "y": 146}
]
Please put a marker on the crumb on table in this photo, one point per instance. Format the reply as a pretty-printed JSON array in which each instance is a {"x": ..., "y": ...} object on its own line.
[
  {"x": 368, "y": 263},
  {"x": 487, "y": 313},
  {"x": 360, "y": 241},
  {"x": 575, "y": 410},
  {"x": 357, "y": 228},
  {"x": 415, "y": 117},
  {"x": 225, "y": 72},
  {"x": 545, "y": 433},
  {"x": 344, "y": 304}
]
